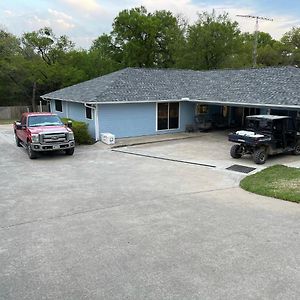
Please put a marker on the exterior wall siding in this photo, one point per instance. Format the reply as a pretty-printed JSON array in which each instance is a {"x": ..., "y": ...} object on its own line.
[
  {"x": 75, "y": 111},
  {"x": 187, "y": 114},
  {"x": 129, "y": 120},
  {"x": 139, "y": 119}
]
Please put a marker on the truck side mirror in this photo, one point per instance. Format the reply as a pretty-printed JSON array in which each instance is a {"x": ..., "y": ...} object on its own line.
[{"x": 70, "y": 124}]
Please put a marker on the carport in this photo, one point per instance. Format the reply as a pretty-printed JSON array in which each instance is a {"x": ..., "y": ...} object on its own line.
[
  {"x": 233, "y": 115},
  {"x": 224, "y": 116}
]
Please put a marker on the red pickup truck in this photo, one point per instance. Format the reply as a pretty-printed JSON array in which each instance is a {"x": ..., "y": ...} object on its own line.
[{"x": 39, "y": 132}]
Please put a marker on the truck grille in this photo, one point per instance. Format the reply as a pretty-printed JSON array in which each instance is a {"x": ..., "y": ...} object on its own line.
[{"x": 50, "y": 138}]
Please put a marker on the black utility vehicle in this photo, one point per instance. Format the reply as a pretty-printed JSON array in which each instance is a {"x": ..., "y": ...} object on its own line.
[{"x": 266, "y": 135}]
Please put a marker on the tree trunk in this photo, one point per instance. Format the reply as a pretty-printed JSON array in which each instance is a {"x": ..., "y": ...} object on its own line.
[{"x": 33, "y": 97}]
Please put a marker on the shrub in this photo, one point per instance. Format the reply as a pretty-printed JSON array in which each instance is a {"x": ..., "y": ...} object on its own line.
[{"x": 80, "y": 130}]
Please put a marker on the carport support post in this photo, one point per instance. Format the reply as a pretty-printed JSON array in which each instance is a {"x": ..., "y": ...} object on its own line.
[
  {"x": 243, "y": 117},
  {"x": 229, "y": 115}
]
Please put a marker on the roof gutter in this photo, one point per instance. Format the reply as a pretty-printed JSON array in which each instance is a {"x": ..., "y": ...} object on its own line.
[
  {"x": 89, "y": 105},
  {"x": 118, "y": 102},
  {"x": 229, "y": 103}
]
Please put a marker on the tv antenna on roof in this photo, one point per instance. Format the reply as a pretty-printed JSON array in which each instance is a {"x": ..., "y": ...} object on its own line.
[{"x": 255, "y": 34}]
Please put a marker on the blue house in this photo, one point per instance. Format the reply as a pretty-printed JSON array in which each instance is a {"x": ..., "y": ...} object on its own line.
[{"x": 138, "y": 101}]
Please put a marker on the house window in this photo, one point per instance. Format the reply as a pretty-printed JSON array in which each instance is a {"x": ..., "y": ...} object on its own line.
[
  {"x": 201, "y": 109},
  {"x": 58, "y": 105},
  {"x": 167, "y": 116},
  {"x": 88, "y": 113}
]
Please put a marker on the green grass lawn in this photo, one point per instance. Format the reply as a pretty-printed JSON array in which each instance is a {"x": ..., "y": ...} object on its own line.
[
  {"x": 278, "y": 181},
  {"x": 2, "y": 122}
]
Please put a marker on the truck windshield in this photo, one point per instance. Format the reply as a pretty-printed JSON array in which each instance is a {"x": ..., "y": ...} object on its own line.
[{"x": 44, "y": 120}]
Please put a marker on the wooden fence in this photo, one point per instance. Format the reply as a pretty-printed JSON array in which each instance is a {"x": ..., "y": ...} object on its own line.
[{"x": 14, "y": 112}]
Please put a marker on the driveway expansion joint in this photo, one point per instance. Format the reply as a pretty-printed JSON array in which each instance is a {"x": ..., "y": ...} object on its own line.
[{"x": 164, "y": 158}]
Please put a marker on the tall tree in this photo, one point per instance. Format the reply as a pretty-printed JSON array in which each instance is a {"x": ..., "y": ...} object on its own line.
[
  {"x": 212, "y": 41},
  {"x": 146, "y": 39},
  {"x": 49, "y": 58},
  {"x": 47, "y": 45},
  {"x": 104, "y": 56},
  {"x": 12, "y": 70},
  {"x": 268, "y": 53},
  {"x": 291, "y": 42}
]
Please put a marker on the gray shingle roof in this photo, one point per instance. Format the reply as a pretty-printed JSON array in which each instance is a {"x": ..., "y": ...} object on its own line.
[{"x": 273, "y": 86}]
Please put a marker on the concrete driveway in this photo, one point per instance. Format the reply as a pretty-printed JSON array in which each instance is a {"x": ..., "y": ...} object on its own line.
[
  {"x": 109, "y": 225},
  {"x": 208, "y": 148}
]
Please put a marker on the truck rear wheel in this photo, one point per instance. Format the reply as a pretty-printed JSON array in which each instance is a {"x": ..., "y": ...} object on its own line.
[
  {"x": 32, "y": 154},
  {"x": 260, "y": 156},
  {"x": 235, "y": 151},
  {"x": 70, "y": 151}
]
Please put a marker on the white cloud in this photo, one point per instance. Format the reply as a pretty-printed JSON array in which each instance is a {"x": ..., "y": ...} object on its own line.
[
  {"x": 190, "y": 10},
  {"x": 86, "y": 6},
  {"x": 62, "y": 24},
  {"x": 36, "y": 22},
  {"x": 84, "y": 41},
  {"x": 82, "y": 20},
  {"x": 59, "y": 22},
  {"x": 280, "y": 25},
  {"x": 8, "y": 13},
  {"x": 59, "y": 14}
]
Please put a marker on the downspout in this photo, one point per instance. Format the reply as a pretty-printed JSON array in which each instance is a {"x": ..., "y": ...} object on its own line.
[{"x": 95, "y": 109}]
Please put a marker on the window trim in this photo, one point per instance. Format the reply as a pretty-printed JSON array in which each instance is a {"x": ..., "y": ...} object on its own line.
[
  {"x": 61, "y": 106},
  {"x": 92, "y": 115},
  {"x": 156, "y": 116},
  {"x": 200, "y": 105}
]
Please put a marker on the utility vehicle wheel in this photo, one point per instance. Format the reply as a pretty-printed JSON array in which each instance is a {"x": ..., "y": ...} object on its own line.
[
  {"x": 32, "y": 154},
  {"x": 297, "y": 149},
  {"x": 17, "y": 141},
  {"x": 260, "y": 156},
  {"x": 235, "y": 151},
  {"x": 70, "y": 151}
]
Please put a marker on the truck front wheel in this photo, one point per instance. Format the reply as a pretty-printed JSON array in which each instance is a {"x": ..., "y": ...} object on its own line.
[
  {"x": 260, "y": 156},
  {"x": 235, "y": 151},
  {"x": 70, "y": 151},
  {"x": 32, "y": 154}
]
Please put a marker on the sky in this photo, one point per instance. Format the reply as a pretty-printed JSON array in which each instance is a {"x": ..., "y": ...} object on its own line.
[{"x": 84, "y": 20}]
